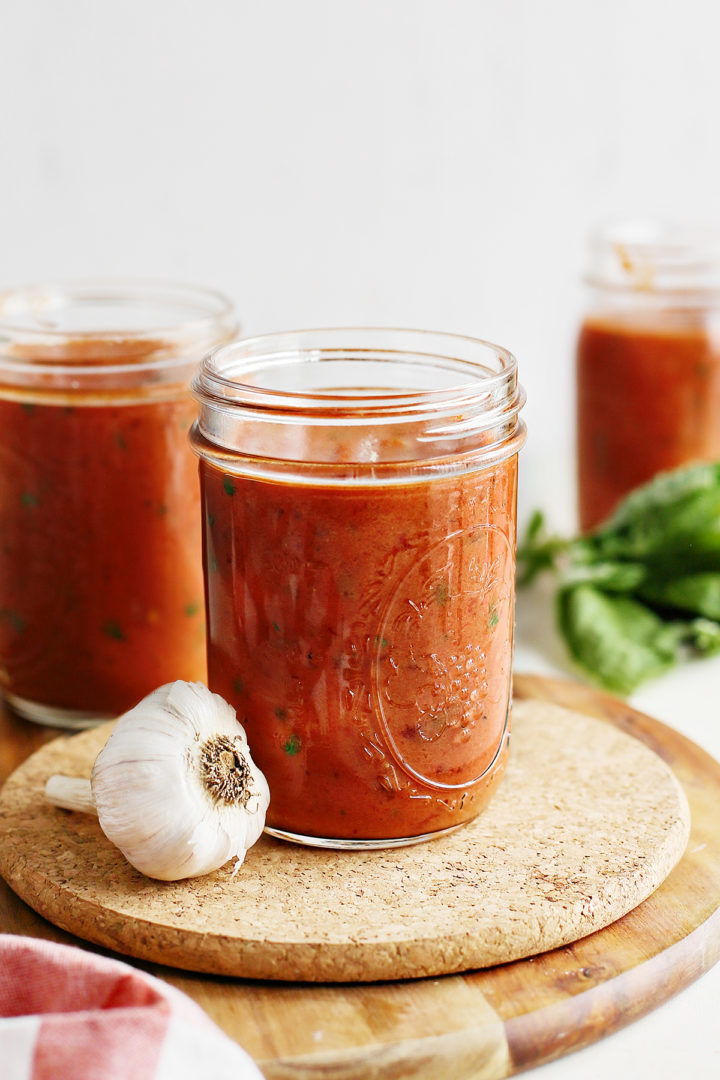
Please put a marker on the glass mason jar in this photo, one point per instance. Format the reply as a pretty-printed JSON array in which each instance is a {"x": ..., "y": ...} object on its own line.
[
  {"x": 359, "y": 495},
  {"x": 648, "y": 361},
  {"x": 100, "y": 560}
]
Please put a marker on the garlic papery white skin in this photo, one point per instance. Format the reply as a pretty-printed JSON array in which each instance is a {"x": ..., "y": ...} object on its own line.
[{"x": 174, "y": 787}]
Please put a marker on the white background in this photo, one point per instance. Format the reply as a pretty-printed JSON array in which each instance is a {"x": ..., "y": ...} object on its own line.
[{"x": 430, "y": 163}]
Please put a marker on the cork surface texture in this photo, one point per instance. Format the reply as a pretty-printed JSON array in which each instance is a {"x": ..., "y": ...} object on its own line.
[{"x": 585, "y": 826}]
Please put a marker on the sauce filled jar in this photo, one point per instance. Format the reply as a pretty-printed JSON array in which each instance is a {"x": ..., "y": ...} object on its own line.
[
  {"x": 648, "y": 361},
  {"x": 359, "y": 508},
  {"x": 100, "y": 548}
]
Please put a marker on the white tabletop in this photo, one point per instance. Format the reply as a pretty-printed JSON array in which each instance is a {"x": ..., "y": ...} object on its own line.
[{"x": 682, "y": 1038}]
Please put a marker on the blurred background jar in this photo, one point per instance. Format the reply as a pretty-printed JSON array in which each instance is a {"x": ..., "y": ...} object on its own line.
[
  {"x": 100, "y": 552},
  {"x": 648, "y": 360}
]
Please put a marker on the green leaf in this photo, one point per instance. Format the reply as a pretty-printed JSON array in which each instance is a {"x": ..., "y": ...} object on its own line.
[
  {"x": 610, "y": 576},
  {"x": 536, "y": 551},
  {"x": 704, "y": 636},
  {"x": 675, "y": 516},
  {"x": 696, "y": 593},
  {"x": 642, "y": 591},
  {"x": 666, "y": 491},
  {"x": 617, "y": 641}
]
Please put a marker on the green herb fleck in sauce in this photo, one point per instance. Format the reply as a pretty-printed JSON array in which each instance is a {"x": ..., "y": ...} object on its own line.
[
  {"x": 441, "y": 592},
  {"x": 16, "y": 621},
  {"x": 228, "y": 486},
  {"x": 192, "y": 609},
  {"x": 29, "y": 500},
  {"x": 292, "y": 745},
  {"x": 114, "y": 630}
]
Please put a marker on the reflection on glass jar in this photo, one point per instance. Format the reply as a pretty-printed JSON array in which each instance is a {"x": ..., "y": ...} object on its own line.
[
  {"x": 100, "y": 566},
  {"x": 359, "y": 493},
  {"x": 648, "y": 361}
]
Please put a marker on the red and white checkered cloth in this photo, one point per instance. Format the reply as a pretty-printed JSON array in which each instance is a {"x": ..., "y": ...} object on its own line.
[{"x": 67, "y": 1014}]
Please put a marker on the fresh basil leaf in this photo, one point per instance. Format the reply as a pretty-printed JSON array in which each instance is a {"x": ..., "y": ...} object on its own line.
[
  {"x": 536, "y": 551},
  {"x": 617, "y": 641},
  {"x": 535, "y": 527},
  {"x": 676, "y": 514},
  {"x": 620, "y": 586},
  {"x": 704, "y": 636},
  {"x": 610, "y": 576},
  {"x": 660, "y": 496},
  {"x": 696, "y": 593}
]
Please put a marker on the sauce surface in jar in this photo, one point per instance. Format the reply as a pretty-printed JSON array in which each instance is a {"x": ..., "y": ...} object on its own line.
[
  {"x": 100, "y": 561},
  {"x": 360, "y": 618}
]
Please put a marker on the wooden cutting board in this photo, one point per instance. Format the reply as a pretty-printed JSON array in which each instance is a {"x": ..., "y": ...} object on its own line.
[{"x": 497, "y": 1021}]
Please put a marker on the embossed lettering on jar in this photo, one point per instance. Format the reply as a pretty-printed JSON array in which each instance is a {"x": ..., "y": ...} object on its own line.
[{"x": 359, "y": 494}]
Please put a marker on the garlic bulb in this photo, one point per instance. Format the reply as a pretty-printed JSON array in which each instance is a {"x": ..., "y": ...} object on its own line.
[{"x": 174, "y": 787}]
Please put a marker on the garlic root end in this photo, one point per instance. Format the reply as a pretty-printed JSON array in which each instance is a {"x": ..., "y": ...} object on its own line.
[{"x": 70, "y": 793}]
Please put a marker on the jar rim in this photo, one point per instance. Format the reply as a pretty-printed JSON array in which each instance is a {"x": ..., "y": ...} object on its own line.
[
  {"x": 373, "y": 405},
  {"x": 39, "y": 323},
  {"x": 213, "y": 385},
  {"x": 653, "y": 257}
]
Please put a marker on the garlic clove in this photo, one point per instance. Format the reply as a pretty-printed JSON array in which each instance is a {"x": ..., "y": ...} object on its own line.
[{"x": 175, "y": 787}]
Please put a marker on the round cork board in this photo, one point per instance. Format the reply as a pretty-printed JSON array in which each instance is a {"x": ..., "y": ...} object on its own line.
[{"x": 587, "y": 823}]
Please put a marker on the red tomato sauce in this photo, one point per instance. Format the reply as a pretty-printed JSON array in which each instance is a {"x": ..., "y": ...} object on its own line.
[
  {"x": 364, "y": 635},
  {"x": 100, "y": 564},
  {"x": 648, "y": 400}
]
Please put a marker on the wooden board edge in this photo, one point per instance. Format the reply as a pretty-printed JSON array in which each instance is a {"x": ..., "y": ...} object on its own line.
[
  {"x": 496, "y": 1049},
  {"x": 474, "y": 1053},
  {"x": 537, "y": 1038}
]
